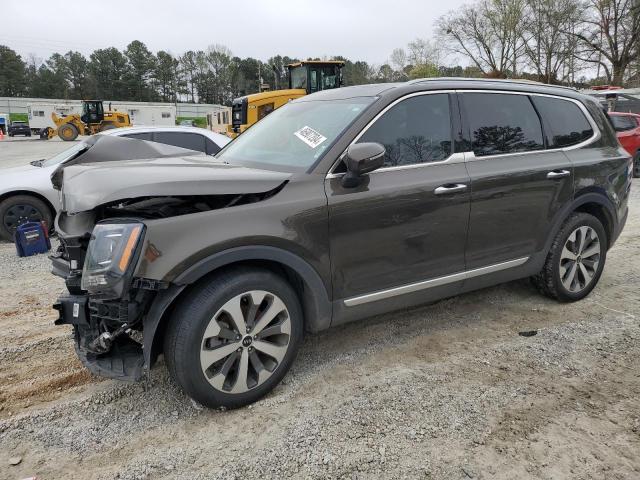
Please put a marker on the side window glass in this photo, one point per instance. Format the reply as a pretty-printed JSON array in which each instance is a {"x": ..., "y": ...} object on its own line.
[
  {"x": 566, "y": 121},
  {"x": 139, "y": 136},
  {"x": 502, "y": 123},
  {"x": 416, "y": 130},
  {"x": 192, "y": 141}
]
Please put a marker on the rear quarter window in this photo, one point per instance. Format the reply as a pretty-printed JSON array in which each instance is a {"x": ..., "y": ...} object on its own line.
[{"x": 565, "y": 122}]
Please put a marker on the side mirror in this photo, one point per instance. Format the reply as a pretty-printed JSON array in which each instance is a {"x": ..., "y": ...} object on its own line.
[{"x": 362, "y": 158}]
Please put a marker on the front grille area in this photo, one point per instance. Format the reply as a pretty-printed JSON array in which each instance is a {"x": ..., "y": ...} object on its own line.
[{"x": 110, "y": 311}]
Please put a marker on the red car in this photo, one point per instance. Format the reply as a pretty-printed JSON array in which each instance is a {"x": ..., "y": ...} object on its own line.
[{"x": 627, "y": 127}]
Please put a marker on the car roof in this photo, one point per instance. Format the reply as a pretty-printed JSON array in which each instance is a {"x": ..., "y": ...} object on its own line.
[
  {"x": 443, "y": 83},
  {"x": 217, "y": 138}
]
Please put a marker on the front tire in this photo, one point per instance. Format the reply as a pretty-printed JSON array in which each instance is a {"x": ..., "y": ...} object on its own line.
[
  {"x": 232, "y": 339},
  {"x": 68, "y": 132},
  {"x": 576, "y": 259},
  {"x": 19, "y": 209}
]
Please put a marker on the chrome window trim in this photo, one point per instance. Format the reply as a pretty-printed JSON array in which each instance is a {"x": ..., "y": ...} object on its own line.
[
  {"x": 434, "y": 282},
  {"x": 450, "y": 159},
  {"x": 460, "y": 157}
]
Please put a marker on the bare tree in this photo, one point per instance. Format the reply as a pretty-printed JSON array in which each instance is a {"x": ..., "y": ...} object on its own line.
[
  {"x": 609, "y": 36},
  {"x": 548, "y": 42},
  {"x": 398, "y": 59},
  {"x": 423, "y": 52},
  {"x": 488, "y": 33}
]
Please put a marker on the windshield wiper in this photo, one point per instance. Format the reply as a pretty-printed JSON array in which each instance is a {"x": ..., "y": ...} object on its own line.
[{"x": 37, "y": 163}]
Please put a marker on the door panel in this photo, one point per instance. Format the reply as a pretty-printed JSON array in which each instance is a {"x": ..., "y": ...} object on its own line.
[
  {"x": 407, "y": 222},
  {"x": 517, "y": 185},
  {"x": 513, "y": 203},
  {"x": 394, "y": 230}
]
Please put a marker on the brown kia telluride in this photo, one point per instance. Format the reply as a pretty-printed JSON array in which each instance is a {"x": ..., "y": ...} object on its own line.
[{"x": 338, "y": 206}]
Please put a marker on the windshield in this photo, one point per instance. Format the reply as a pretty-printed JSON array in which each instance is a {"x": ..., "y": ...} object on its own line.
[
  {"x": 299, "y": 77},
  {"x": 65, "y": 155},
  {"x": 296, "y": 135}
]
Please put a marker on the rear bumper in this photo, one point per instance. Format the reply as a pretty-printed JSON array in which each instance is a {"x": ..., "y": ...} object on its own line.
[{"x": 619, "y": 227}]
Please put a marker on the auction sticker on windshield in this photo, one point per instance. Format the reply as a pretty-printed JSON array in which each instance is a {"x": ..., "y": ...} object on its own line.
[{"x": 309, "y": 136}]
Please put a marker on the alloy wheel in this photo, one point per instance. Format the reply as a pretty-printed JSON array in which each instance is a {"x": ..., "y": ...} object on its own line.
[
  {"x": 245, "y": 341},
  {"x": 580, "y": 258},
  {"x": 18, "y": 214}
]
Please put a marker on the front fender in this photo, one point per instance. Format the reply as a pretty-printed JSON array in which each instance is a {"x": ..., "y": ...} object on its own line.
[{"x": 315, "y": 298}]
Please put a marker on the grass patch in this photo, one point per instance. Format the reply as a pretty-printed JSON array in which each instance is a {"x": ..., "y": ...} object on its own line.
[
  {"x": 198, "y": 121},
  {"x": 18, "y": 117}
]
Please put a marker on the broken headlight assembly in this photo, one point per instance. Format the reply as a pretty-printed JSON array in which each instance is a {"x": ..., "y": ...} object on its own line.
[{"x": 112, "y": 250}]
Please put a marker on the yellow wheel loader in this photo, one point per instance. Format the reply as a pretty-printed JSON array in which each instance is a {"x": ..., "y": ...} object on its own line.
[
  {"x": 93, "y": 120},
  {"x": 304, "y": 78}
]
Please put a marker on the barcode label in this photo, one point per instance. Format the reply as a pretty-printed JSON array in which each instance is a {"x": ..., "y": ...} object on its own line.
[{"x": 309, "y": 136}]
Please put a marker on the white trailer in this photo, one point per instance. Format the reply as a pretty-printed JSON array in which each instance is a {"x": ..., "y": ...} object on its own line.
[
  {"x": 40, "y": 114},
  {"x": 146, "y": 115},
  {"x": 219, "y": 120}
]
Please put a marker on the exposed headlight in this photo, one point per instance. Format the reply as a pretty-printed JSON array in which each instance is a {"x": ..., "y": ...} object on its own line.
[{"x": 111, "y": 251}]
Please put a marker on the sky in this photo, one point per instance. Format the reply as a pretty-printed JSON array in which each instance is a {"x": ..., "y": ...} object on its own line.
[{"x": 357, "y": 29}]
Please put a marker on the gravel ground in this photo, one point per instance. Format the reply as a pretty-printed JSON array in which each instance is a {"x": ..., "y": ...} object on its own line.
[{"x": 449, "y": 390}]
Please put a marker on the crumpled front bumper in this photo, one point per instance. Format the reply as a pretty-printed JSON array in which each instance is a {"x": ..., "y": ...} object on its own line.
[{"x": 123, "y": 361}]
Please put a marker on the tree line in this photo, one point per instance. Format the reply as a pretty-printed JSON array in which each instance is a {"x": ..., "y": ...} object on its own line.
[{"x": 572, "y": 42}]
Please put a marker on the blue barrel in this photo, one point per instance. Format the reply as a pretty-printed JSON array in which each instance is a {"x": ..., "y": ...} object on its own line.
[{"x": 32, "y": 238}]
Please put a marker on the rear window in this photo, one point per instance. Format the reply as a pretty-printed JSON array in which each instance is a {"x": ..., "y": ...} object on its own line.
[
  {"x": 623, "y": 123},
  {"x": 565, "y": 121},
  {"x": 502, "y": 123}
]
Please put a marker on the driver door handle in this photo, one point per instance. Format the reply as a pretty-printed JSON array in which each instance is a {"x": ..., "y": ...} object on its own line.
[
  {"x": 450, "y": 188},
  {"x": 558, "y": 174}
]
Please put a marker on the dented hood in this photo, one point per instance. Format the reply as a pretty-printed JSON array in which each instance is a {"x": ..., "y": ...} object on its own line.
[{"x": 86, "y": 185}]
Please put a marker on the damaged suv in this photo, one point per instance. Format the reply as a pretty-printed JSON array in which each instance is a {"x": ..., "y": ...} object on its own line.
[{"x": 338, "y": 206}]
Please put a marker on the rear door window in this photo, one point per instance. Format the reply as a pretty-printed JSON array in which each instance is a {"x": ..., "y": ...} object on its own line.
[
  {"x": 502, "y": 123},
  {"x": 565, "y": 122},
  {"x": 192, "y": 141},
  {"x": 416, "y": 130}
]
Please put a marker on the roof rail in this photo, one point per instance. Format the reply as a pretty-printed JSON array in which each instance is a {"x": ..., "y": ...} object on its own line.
[{"x": 522, "y": 81}]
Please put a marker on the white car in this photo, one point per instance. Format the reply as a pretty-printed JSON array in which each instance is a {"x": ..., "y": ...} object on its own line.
[{"x": 26, "y": 193}]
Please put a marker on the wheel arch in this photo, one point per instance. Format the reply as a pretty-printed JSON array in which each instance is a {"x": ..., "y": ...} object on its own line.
[
  {"x": 594, "y": 202},
  {"x": 304, "y": 279},
  {"x": 39, "y": 196}
]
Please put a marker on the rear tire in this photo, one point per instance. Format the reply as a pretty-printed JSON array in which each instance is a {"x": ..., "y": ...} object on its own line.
[
  {"x": 107, "y": 126},
  {"x": 68, "y": 132},
  {"x": 575, "y": 261},
  {"x": 19, "y": 209},
  {"x": 636, "y": 165},
  {"x": 233, "y": 359}
]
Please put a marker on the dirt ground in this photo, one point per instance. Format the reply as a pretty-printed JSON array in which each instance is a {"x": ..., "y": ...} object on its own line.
[{"x": 446, "y": 391}]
